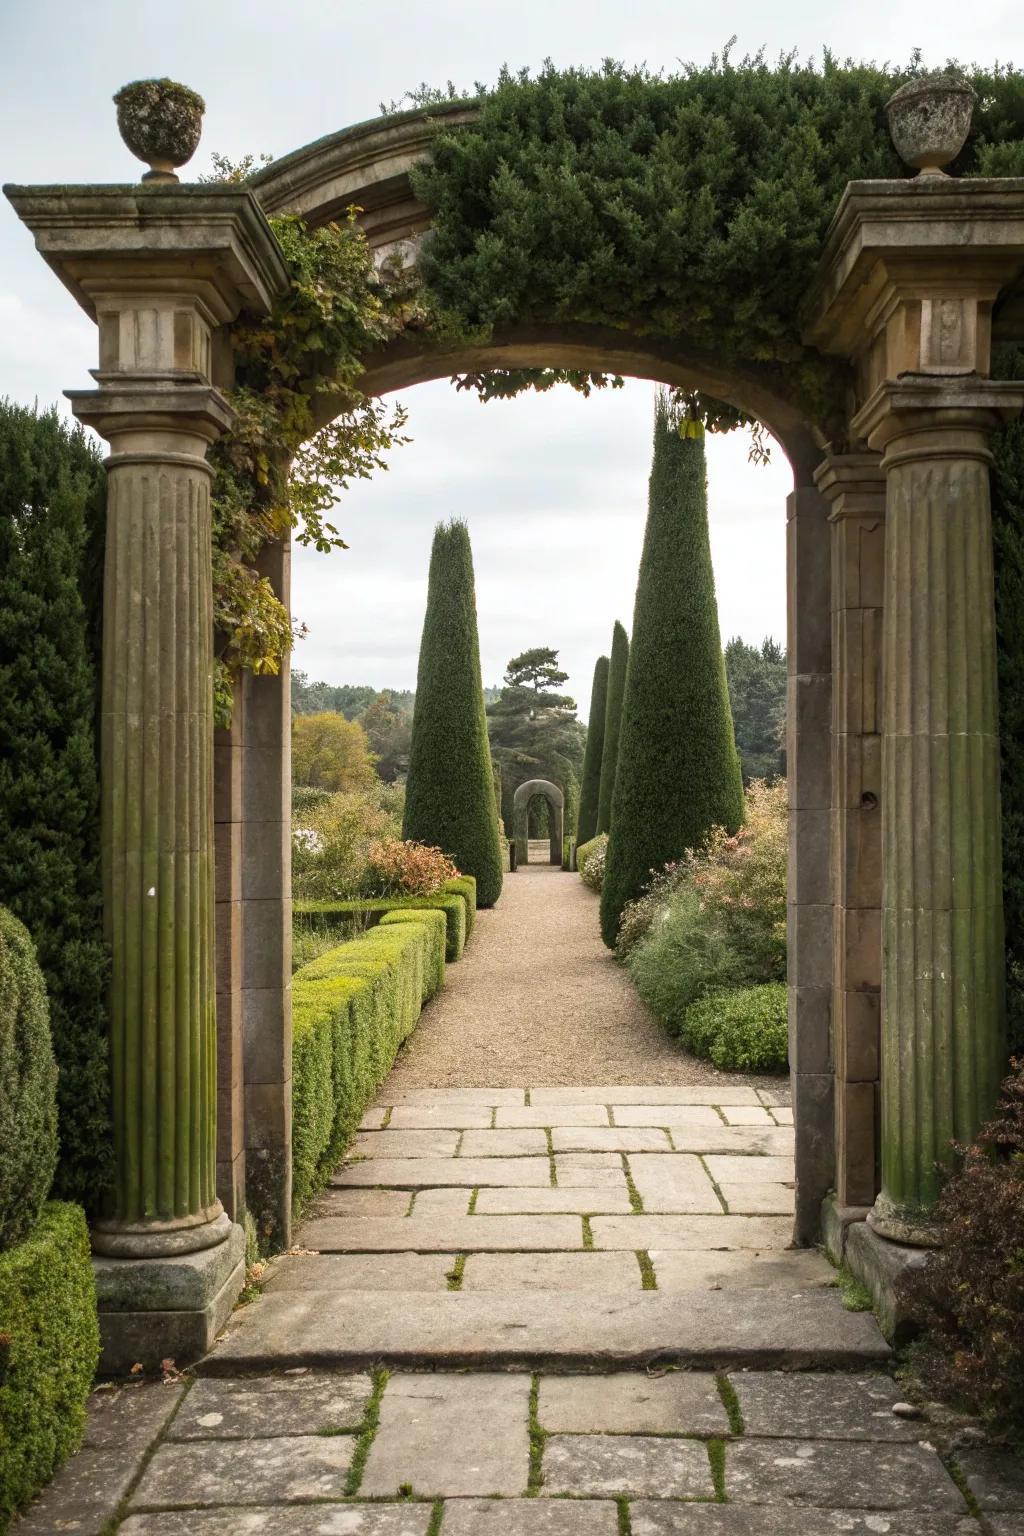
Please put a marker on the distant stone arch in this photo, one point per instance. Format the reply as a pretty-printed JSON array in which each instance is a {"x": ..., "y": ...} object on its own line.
[{"x": 521, "y": 821}]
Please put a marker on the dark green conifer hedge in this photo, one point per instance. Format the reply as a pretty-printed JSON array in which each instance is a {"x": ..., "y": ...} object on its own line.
[
  {"x": 590, "y": 790},
  {"x": 678, "y": 771},
  {"x": 612, "y": 722},
  {"x": 52, "y": 499},
  {"x": 449, "y": 796}
]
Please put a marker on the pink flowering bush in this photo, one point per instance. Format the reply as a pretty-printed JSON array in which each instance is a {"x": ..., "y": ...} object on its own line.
[{"x": 402, "y": 868}]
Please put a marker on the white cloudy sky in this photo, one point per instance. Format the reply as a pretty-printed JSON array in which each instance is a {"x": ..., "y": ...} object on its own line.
[{"x": 553, "y": 488}]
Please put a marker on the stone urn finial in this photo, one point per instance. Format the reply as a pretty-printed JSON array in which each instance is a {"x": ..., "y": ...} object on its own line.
[
  {"x": 161, "y": 122},
  {"x": 929, "y": 120}
]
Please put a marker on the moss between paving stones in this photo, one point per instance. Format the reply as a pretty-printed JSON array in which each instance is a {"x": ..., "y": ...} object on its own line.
[{"x": 49, "y": 1348}]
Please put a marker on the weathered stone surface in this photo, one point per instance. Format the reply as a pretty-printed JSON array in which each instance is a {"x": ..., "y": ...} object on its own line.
[
  {"x": 691, "y": 1116},
  {"x": 263, "y": 1471},
  {"x": 287, "y": 1520},
  {"x": 504, "y": 1143},
  {"x": 751, "y": 1170},
  {"x": 399, "y": 1143},
  {"x": 776, "y": 1098},
  {"x": 530, "y": 1517},
  {"x": 777, "y": 1269},
  {"x": 538, "y": 1329},
  {"x": 128, "y": 1418},
  {"x": 446, "y": 1202},
  {"x": 782, "y": 1114},
  {"x": 822, "y": 1407},
  {"x": 847, "y": 1473},
  {"x": 881, "y": 1265},
  {"x": 449, "y": 1435},
  {"x": 85, "y": 1494},
  {"x": 636, "y": 1465},
  {"x": 442, "y": 1234},
  {"x": 551, "y": 1272},
  {"x": 361, "y": 1272},
  {"x": 491, "y": 1097},
  {"x": 677, "y": 1403},
  {"x": 729, "y": 1140},
  {"x": 507, "y": 1202},
  {"x": 676, "y": 1182},
  {"x": 449, "y": 1117},
  {"x": 374, "y": 1118},
  {"x": 551, "y": 1115},
  {"x": 635, "y": 1095},
  {"x": 360, "y": 1202},
  {"x": 749, "y": 1199},
  {"x": 1003, "y": 1525},
  {"x": 290, "y": 1403},
  {"x": 422, "y": 1172},
  {"x": 996, "y": 1478},
  {"x": 590, "y": 1170},
  {"x": 661, "y": 1519},
  {"x": 746, "y": 1114},
  {"x": 691, "y": 1232},
  {"x": 581, "y": 1138}
]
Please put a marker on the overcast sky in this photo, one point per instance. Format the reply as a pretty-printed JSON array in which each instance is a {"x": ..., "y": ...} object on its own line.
[{"x": 553, "y": 487}]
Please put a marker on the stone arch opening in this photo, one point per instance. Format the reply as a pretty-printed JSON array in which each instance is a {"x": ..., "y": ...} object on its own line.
[{"x": 552, "y": 793}]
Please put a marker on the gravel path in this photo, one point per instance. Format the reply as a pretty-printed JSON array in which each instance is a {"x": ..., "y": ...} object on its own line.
[{"x": 536, "y": 998}]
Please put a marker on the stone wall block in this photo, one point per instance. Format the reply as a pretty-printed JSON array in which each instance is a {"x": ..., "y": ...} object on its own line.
[{"x": 809, "y": 735}]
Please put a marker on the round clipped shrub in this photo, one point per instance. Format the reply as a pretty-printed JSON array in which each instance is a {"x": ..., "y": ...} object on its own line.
[
  {"x": 741, "y": 1030},
  {"x": 28, "y": 1085}
]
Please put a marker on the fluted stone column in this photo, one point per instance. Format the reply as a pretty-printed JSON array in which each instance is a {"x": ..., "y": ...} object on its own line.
[{"x": 942, "y": 929}]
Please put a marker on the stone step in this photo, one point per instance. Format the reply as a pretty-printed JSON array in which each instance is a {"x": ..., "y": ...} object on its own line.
[{"x": 548, "y": 1330}]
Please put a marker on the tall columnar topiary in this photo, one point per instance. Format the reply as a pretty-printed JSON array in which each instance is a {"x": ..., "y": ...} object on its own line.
[
  {"x": 612, "y": 725},
  {"x": 590, "y": 790},
  {"x": 678, "y": 770},
  {"x": 28, "y": 1086},
  {"x": 449, "y": 796},
  {"x": 52, "y": 501}
]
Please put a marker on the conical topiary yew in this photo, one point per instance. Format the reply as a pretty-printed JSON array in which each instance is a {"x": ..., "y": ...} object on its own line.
[
  {"x": 612, "y": 723},
  {"x": 678, "y": 771},
  {"x": 590, "y": 791},
  {"x": 449, "y": 796}
]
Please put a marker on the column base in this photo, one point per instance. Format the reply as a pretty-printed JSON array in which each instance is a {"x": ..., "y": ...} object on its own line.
[
  {"x": 882, "y": 1265},
  {"x": 904, "y": 1224},
  {"x": 173, "y": 1307}
]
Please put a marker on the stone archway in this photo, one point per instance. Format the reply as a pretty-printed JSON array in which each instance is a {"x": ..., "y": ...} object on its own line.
[
  {"x": 892, "y": 732},
  {"x": 552, "y": 793}
]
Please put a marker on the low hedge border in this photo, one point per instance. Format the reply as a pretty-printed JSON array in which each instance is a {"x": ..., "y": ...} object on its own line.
[
  {"x": 454, "y": 904},
  {"x": 49, "y": 1349},
  {"x": 740, "y": 1029},
  {"x": 351, "y": 1010}
]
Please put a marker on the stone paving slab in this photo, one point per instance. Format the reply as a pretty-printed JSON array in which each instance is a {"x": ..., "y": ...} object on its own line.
[
  {"x": 400, "y": 1143},
  {"x": 504, "y": 1143},
  {"x": 664, "y": 1519},
  {"x": 84, "y": 1496},
  {"x": 590, "y": 1170},
  {"x": 306, "y": 1403},
  {"x": 403, "y": 1519},
  {"x": 508, "y": 1202},
  {"x": 440, "y": 1117},
  {"x": 689, "y": 1115},
  {"x": 692, "y": 1232},
  {"x": 1004, "y": 1525},
  {"x": 746, "y": 1114},
  {"x": 649, "y": 1095},
  {"x": 360, "y": 1202},
  {"x": 548, "y": 1115},
  {"x": 361, "y": 1272},
  {"x": 783, "y": 1115},
  {"x": 782, "y": 1096},
  {"x": 776, "y": 1269},
  {"x": 749, "y": 1199},
  {"x": 491, "y": 1097},
  {"x": 255, "y": 1471},
  {"x": 675, "y": 1403},
  {"x": 637, "y": 1465},
  {"x": 443, "y": 1234},
  {"x": 448, "y": 1435},
  {"x": 733, "y": 1140},
  {"x": 752, "y": 1170},
  {"x": 823, "y": 1407},
  {"x": 448, "y": 1202},
  {"x": 530, "y": 1517},
  {"x": 551, "y": 1272},
  {"x": 422, "y": 1172},
  {"x": 129, "y": 1417},
  {"x": 995, "y": 1478},
  {"x": 548, "y": 1330},
  {"x": 846, "y": 1473},
  {"x": 678, "y": 1183},
  {"x": 629, "y": 1138}
]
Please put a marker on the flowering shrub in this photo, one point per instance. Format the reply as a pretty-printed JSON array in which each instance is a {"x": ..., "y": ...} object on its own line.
[
  {"x": 399, "y": 868},
  {"x": 332, "y": 835},
  {"x": 590, "y": 861}
]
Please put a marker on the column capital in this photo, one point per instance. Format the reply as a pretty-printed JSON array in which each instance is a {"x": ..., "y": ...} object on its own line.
[
  {"x": 853, "y": 484},
  {"x": 910, "y": 275},
  {"x": 933, "y": 417}
]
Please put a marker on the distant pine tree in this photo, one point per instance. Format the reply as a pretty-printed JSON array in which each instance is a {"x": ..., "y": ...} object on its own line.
[
  {"x": 449, "y": 796},
  {"x": 590, "y": 791},
  {"x": 612, "y": 724},
  {"x": 678, "y": 771}
]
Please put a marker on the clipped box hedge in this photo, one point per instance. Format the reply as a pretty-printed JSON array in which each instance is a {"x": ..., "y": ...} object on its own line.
[
  {"x": 49, "y": 1349},
  {"x": 369, "y": 911},
  {"x": 351, "y": 1010},
  {"x": 436, "y": 924}
]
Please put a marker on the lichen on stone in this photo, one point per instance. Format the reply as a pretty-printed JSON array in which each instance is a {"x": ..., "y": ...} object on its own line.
[{"x": 160, "y": 119}]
